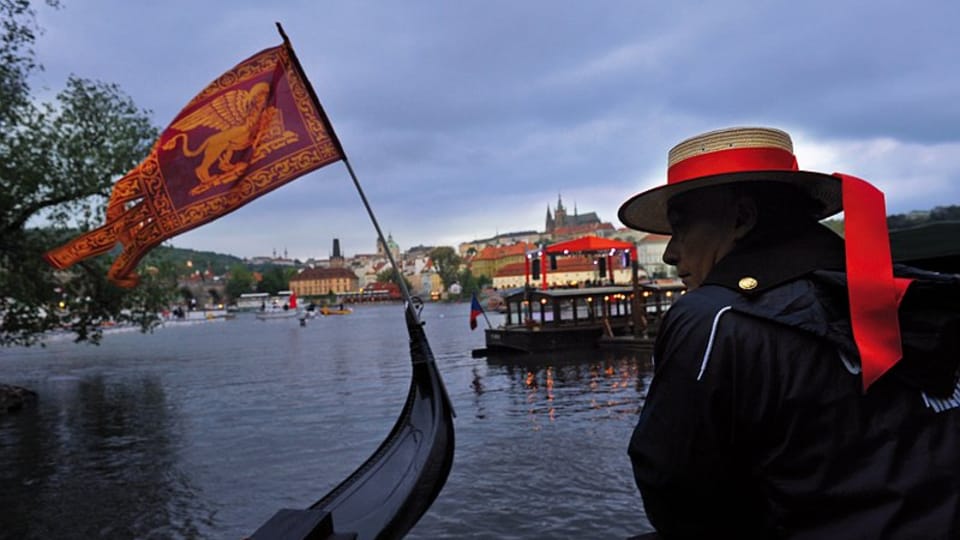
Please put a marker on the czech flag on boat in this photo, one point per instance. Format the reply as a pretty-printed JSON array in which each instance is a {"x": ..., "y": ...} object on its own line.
[{"x": 475, "y": 311}]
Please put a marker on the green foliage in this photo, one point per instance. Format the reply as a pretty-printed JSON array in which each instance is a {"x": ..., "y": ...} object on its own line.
[
  {"x": 390, "y": 275},
  {"x": 472, "y": 284},
  {"x": 835, "y": 225},
  {"x": 189, "y": 260},
  {"x": 276, "y": 279},
  {"x": 18, "y": 32},
  {"x": 447, "y": 264},
  {"x": 914, "y": 219},
  {"x": 239, "y": 281},
  {"x": 57, "y": 165}
]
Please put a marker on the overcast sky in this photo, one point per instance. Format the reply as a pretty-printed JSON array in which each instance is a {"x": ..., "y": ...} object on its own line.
[{"x": 464, "y": 119}]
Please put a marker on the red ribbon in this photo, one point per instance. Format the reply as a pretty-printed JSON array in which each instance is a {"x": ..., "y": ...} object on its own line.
[
  {"x": 733, "y": 160},
  {"x": 874, "y": 293}
]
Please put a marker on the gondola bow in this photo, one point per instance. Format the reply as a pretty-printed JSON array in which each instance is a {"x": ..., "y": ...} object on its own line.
[{"x": 386, "y": 496}]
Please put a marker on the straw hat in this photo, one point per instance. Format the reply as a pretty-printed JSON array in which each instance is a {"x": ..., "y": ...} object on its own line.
[{"x": 726, "y": 156}]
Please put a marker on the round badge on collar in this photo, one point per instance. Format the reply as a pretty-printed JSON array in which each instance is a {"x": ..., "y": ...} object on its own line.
[{"x": 747, "y": 283}]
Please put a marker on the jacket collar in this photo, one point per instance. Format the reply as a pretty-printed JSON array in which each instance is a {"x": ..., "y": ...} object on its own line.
[{"x": 751, "y": 270}]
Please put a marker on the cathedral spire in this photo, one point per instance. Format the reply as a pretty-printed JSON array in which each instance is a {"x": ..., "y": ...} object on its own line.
[{"x": 560, "y": 214}]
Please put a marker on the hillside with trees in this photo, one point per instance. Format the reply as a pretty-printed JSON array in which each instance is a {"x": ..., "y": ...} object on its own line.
[
  {"x": 189, "y": 259},
  {"x": 913, "y": 219}
]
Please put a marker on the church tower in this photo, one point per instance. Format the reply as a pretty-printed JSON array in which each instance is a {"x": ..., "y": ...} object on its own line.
[
  {"x": 336, "y": 259},
  {"x": 560, "y": 215}
]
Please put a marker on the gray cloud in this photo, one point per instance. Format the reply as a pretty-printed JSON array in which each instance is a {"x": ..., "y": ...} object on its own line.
[{"x": 466, "y": 119}]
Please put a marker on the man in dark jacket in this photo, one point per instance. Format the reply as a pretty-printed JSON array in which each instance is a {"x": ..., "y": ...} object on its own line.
[{"x": 801, "y": 389}]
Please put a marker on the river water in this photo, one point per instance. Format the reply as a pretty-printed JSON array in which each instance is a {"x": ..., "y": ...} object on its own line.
[{"x": 206, "y": 429}]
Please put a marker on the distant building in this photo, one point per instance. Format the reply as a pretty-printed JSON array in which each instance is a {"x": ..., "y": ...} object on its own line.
[
  {"x": 418, "y": 251},
  {"x": 560, "y": 225},
  {"x": 321, "y": 281},
  {"x": 650, "y": 250},
  {"x": 472, "y": 248},
  {"x": 491, "y": 258},
  {"x": 392, "y": 247},
  {"x": 275, "y": 260}
]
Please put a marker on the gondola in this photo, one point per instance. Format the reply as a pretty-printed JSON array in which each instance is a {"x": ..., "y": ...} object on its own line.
[{"x": 386, "y": 496}]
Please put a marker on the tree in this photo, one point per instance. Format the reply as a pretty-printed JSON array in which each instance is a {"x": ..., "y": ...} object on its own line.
[
  {"x": 447, "y": 264},
  {"x": 57, "y": 165},
  {"x": 472, "y": 284},
  {"x": 239, "y": 281},
  {"x": 276, "y": 279},
  {"x": 390, "y": 275}
]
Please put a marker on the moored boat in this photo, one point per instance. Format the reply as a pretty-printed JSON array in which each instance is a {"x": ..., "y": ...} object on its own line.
[{"x": 560, "y": 319}]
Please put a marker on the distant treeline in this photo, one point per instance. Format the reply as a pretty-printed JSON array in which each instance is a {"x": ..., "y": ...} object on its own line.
[
  {"x": 217, "y": 263},
  {"x": 940, "y": 213},
  {"x": 912, "y": 219}
]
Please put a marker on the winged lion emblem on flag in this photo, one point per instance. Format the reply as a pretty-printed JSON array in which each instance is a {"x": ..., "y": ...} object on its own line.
[{"x": 243, "y": 120}]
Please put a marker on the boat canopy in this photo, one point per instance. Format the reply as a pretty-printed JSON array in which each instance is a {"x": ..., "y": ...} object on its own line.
[
  {"x": 585, "y": 244},
  {"x": 591, "y": 244}
]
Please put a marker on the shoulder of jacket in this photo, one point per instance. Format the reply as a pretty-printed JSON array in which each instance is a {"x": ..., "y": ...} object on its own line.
[
  {"x": 699, "y": 308},
  {"x": 704, "y": 300}
]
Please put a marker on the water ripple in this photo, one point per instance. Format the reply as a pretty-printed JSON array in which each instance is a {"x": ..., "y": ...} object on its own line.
[{"x": 206, "y": 430}]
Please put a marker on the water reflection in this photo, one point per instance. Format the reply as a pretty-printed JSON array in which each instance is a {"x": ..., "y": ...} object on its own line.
[
  {"x": 597, "y": 382},
  {"x": 99, "y": 460}
]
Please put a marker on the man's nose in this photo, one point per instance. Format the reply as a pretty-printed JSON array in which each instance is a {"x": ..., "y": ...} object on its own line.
[{"x": 670, "y": 255}]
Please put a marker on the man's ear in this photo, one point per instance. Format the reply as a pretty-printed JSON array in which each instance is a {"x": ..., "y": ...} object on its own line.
[{"x": 746, "y": 217}]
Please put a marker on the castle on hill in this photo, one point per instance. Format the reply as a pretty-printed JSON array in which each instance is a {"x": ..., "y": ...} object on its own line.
[{"x": 561, "y": 226}]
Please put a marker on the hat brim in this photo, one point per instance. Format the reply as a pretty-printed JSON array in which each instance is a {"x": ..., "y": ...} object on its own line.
[{"x": 647, "y": 211}]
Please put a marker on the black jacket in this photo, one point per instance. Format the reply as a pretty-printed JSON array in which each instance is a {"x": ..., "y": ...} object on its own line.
[{"x": 756, "y": 425}]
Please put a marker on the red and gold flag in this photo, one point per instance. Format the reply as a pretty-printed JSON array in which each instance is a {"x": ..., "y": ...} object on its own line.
[{"x": 255, "y": 128}]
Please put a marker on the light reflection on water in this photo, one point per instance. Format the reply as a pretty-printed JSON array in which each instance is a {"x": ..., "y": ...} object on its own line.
[{"x": 205, "y": 430}]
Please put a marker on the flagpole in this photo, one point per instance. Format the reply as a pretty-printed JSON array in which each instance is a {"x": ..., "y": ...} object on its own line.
[
  {"x": 333, "y": 135},
  {"x": 489, "y": 326}
]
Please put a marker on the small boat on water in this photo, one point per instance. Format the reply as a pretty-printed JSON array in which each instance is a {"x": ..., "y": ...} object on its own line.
[
  {"x": 326, "y": 310},
  {"x": 559, "y": 319},
  {"x": 287, "y": 311}
]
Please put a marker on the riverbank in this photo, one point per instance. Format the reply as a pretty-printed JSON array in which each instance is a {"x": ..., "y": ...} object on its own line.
[{"x": 15, "y": 398}]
